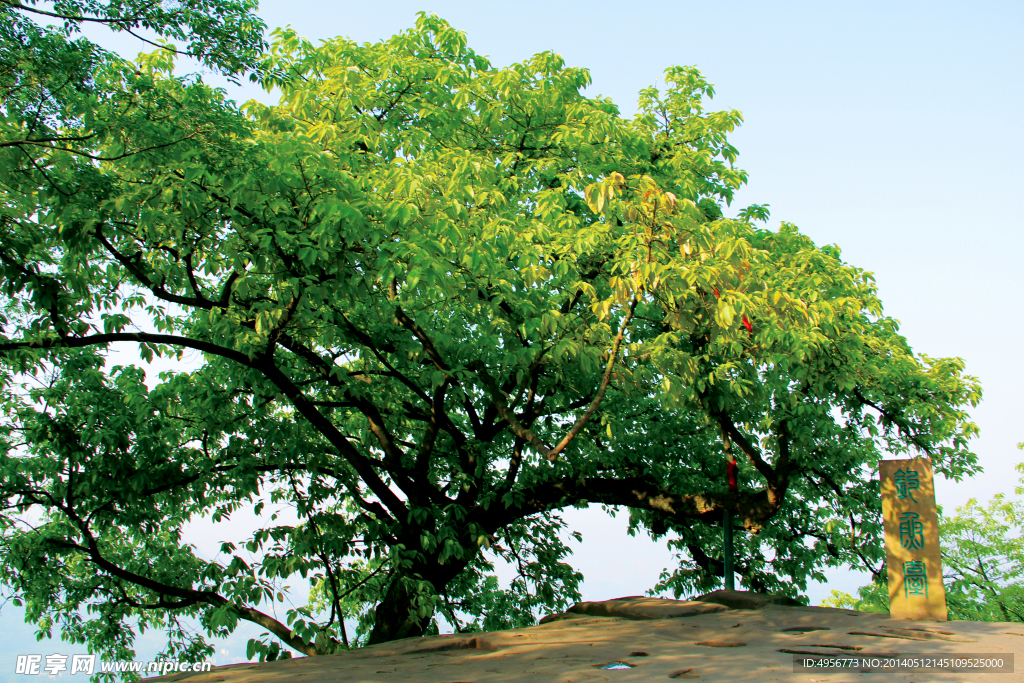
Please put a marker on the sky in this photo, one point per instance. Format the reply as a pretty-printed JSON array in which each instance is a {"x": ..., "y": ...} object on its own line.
[{"x": 892, "y": 130}]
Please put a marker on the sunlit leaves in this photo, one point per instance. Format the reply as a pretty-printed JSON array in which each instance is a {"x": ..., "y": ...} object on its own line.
[{"x": 409, "y": 279}]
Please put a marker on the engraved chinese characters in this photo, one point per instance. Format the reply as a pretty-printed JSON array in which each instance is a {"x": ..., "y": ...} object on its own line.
[
  {"x": 907, "y": 481},
  {"x": 912, "y": 540},
  {"x": 915, "y": 578},
  {"x": 911, "y": 531}
]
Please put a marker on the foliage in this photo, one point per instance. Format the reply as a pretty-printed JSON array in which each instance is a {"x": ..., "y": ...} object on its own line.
[
  {"x": 436, "y": 303},
  {"x": 983, "y": 557},
  {"x": 62, "y": 93},
  {"x": 873, "y": 597}
]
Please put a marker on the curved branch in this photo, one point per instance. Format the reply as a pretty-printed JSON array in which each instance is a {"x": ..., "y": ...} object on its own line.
[
  {"x": 187, "y": 595},
  {"x": 268, "y": 370},
  {"x": 552, "y": 455},
  {"x": 523, "y": 432},
  {"x": 69, "y": 17},
  {"x": 134, "y": 337}
]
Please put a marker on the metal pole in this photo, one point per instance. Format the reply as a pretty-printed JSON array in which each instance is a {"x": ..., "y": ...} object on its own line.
[
  {"x": 730, "y": 583},
  {"x": 730, "y": 475}
]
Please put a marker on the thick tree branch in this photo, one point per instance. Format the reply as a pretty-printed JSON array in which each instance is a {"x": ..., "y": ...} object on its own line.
[
  {"x": 134, "y": 337},
  {"x": 500, "y": 405},
  {"x": 271, "y": 372},
  {"x": 753, "y": 508},
  {"x": 134, "y": 266},
  {"x": 428, "y": 346},
  {"x": 740, "y": 439},
  {"x": 186, "y": 595}
]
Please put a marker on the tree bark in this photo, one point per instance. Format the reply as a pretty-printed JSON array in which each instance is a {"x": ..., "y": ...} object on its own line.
[{"x": 397, "y": 615}]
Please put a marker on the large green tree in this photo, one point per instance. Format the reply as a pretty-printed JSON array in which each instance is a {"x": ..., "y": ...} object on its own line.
[{"x": 435, "y": 302}]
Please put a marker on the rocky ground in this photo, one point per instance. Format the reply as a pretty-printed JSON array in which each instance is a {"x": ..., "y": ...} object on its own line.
[{"x": 724, "y": 636}]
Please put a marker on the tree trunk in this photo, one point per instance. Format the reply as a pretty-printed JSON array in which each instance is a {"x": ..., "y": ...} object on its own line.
[{"x": 397, "y": 615}]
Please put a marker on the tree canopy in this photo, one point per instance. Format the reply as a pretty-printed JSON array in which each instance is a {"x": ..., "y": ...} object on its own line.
[
  {"x": 436, "y": 302},
  {"x": 63, "y": 92}
]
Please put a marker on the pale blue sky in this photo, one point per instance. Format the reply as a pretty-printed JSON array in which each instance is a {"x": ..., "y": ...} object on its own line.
[{"x": 891, "y": 129}]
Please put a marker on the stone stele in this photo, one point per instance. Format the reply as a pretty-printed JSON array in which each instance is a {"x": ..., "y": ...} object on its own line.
[{"x": 912, "y": 551}]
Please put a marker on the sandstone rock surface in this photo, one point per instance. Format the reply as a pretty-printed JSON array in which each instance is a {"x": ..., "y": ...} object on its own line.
[{"x": 670, "y": 639}]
